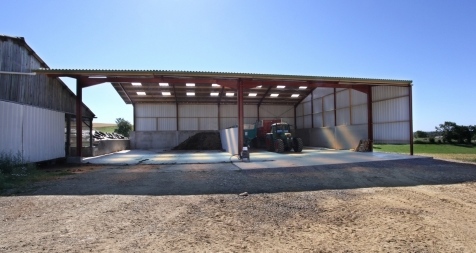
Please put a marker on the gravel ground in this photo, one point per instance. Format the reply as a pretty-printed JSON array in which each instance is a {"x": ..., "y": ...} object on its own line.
[{"x": 416, "y": 205}]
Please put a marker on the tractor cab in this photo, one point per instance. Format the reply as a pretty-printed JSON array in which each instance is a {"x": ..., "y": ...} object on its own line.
[{"x": 280, "y": 130}]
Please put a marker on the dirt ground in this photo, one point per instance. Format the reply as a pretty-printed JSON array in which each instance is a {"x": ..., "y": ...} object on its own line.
[{"x": 419, "y": 205}]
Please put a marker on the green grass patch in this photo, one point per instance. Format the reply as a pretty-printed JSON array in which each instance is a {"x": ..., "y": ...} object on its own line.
[
  {"x": 466, "y": 153},
  {"x": 16, "y": 174}
]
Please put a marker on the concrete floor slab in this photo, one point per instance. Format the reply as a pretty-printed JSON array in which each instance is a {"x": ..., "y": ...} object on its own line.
[{"x": 259, "y": 159}]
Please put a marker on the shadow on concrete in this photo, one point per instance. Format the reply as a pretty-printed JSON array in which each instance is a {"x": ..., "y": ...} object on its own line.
[{"x": 228, "y": 179}]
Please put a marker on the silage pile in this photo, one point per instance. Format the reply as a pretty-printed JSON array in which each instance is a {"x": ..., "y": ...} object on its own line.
[{"x": 201, "y": 141}]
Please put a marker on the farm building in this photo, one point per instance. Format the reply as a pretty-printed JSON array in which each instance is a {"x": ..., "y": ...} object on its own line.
[
  {"x": 333, "y": 112},
  {"x": 37, "y": 112}
]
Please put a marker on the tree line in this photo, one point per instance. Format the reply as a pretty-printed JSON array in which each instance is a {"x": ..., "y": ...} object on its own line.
[{"x": 450, "y": 132}]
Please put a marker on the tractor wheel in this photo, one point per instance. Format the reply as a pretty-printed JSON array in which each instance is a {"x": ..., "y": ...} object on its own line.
[
  {"x": 297, "y": 145},
  {"x": 278, "y": 146}
]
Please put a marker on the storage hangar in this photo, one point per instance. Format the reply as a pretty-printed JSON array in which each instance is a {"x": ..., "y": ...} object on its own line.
[
  {"x": 37, "y": 112},
  {"x": 333, "y": 112}
]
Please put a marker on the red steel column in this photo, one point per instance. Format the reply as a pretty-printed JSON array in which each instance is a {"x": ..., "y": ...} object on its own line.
[
  {"x": 411, "y": 117},
  {"x": 370, "y": 123},
  {"x": 312, "y": 109},
  {"x": 240, "y": 116},
  {"x": 79, "y": 118}
]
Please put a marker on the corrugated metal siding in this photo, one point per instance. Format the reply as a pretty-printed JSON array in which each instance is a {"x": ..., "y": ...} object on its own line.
[
  {"x": 288, "y": 120},
  {"x": 39, "y": 134},
  {"x": 321, "y": 92},
  {"x": 11, "y": 127},
  {"x": 307, "y": 108},
  {"x": 318, "y": 120},
  {"x": 307, "y": 121},
  {"x": 359, "y": 114},
  {"x": 299, "y": 110},
  {"x": 358, "y": 98},
  {"x": 328, "y": 103},
  {"x": 300, "y": 122},
  {"x": 197, "y": 110},
  {"x": 228, "y": 122},
  {"x": 308, "y": 98},
  {"x": 276, "y": 111},
  {"x": 146, "y": 124},
  {"x": 155, "y": 110},
  {"x": 386, "y": 92},
  {"x": 391, "y": 110},
  {"x": 228, "y": 111},
  {"x": 250, "y": 111},
  {"x": 208, "y": 123},
  {"x": 249, "y": 120},
  {"x": 329, "y": 119},
  {"x": 317, "y": 105},
  {"x": 398, "y": 132},
  {"x": 43, "y": 134},
  {"x": 343, "y": 99},
  {"x": 343, "y": 116},
  {"x": 166, "y": 124},
  {"x": 188, "y": 123}
]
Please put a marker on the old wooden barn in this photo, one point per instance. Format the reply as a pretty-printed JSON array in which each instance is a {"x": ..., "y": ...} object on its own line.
[{"x": 37, "y": 112}]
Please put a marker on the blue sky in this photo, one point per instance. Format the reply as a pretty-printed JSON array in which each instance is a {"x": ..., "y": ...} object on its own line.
[{"x": 432, "y": 43}]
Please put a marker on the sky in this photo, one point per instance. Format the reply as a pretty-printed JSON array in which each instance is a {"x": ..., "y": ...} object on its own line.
[{"x": 432, "y": 43}]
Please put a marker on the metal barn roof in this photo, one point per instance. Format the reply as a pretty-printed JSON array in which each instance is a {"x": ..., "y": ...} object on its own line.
[{"x": 171, "y": 86}]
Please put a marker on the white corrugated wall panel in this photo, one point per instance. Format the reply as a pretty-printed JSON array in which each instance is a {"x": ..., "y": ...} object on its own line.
[
  {"x": 321, "y": 92},
  {"x": 307, "y": 108},
  {"x": 166, "y": 124},
  {"x": 188, "y": 124},
  {"x": 359, "y": 114},
  {"x": 329, "y": 119},
  {"x": 299, "y": 110},
  {"x": 340, "y": 89},
  {"x": 300, "y": 122},
  {"x": 288, "y": 120},
  {"x": 343, "y": 116},
  {"x": 386, "y": 92},
  {"x": 208, "y": 123},
  {"x": 228, "y": 122},
  {"x": 197, "y": 110},
  {"x": 155, "y": 110},
  {"x": 250, "y": 120},
  {"x": 276, "y": 111},
  {"x": 308, "y": 98},
  {"x": 250, "y": 111},
  {"x": 391, "y": 110},
  {"x": 146, "y": 124},
  {"x": 343, "y": 99},
  {"x": 228, "y": 111},
  {"x": 397, "y": 132},
  {"x": 43, "y": 134},
  {"x": 307, "y": 121},
  {"x": 11, "y": 127},
  {"x": 328, "y": 103},
  {"x": 318, "y": 120},
  {"x": 317, "y": 105},
  {"x": 358, "y": 98}
]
